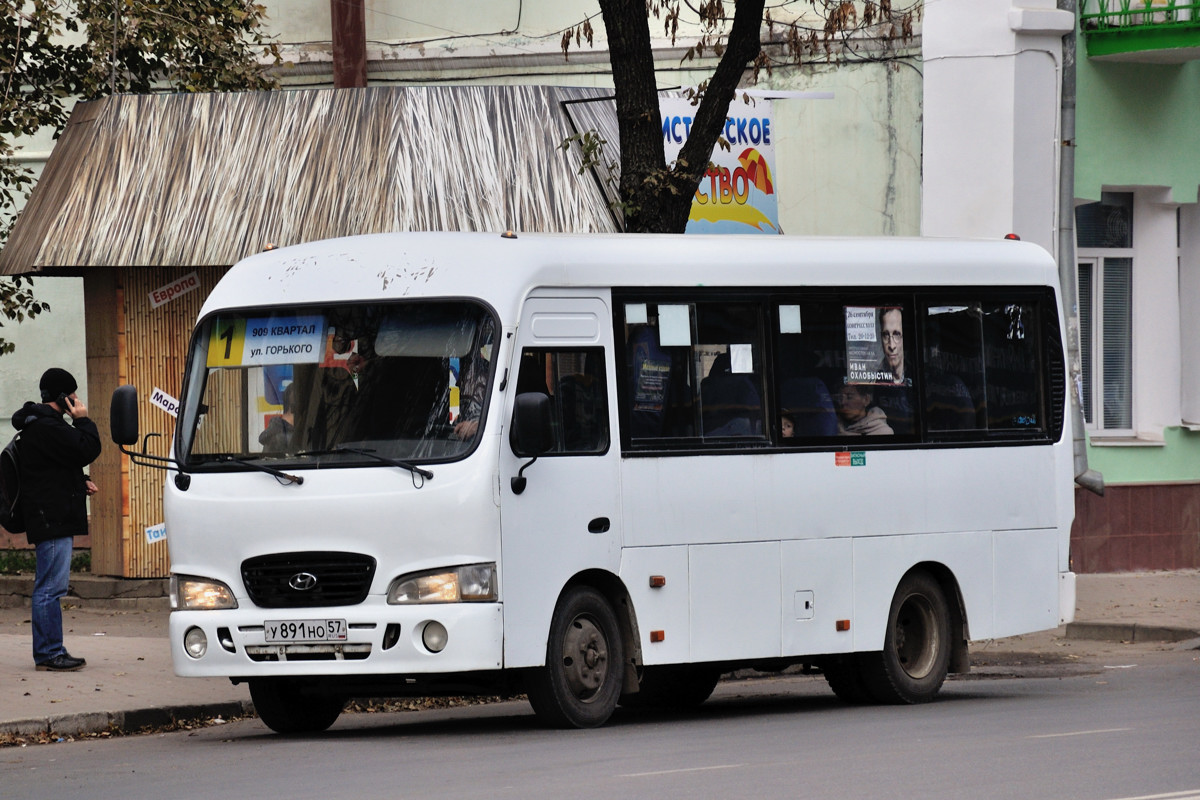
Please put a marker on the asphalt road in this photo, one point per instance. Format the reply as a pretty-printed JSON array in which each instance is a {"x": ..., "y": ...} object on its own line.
[{"x": 1116, "y": 725}]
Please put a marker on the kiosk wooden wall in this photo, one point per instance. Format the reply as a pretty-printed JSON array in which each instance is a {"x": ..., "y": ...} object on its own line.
[{"x": 140, "y": 344}]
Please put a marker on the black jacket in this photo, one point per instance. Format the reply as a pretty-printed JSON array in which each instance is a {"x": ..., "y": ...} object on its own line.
[{"x": 53, "y": 455}]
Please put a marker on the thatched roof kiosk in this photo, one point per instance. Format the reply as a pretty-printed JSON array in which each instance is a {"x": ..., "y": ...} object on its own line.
[{"x": 147, "y": 192}]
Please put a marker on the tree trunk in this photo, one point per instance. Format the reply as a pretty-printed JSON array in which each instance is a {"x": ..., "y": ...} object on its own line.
[{"x": 658, "y": 200}]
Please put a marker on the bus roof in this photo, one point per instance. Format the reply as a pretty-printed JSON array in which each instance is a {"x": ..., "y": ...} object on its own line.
[{"x": 501, "y": 269}]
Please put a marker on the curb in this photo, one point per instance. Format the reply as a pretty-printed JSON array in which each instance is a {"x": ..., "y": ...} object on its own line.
[
  {"x": 1128, "y": 632},
  {"x": 123, "y": 721}
]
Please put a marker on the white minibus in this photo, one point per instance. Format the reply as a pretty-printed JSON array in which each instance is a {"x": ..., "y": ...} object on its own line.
[{"x": 607, "y": 469}]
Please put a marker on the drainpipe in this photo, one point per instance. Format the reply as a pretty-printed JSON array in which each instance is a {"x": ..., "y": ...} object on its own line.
[{"x": 1089, "y": 479}]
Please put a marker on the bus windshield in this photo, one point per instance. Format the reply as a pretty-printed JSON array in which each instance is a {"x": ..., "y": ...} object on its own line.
[{"x": 338, "y": 385}]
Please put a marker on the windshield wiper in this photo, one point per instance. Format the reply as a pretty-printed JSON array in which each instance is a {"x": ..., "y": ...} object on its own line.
[
  {"x": 395, "y": 462},
  {"x": 279, "y": 475}
]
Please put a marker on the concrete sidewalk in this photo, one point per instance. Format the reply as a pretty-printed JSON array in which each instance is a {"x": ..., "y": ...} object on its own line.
[{"x": 120, "y": 627}]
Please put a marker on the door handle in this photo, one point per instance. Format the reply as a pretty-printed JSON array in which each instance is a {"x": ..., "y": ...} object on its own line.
[{"x": 599, "y": 525}]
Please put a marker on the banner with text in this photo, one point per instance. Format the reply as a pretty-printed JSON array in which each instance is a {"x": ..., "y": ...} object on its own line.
[{"x": 737, "y": 194}]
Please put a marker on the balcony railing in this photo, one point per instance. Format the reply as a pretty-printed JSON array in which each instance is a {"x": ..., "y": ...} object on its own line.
[{"x": 1166, "y": 31}]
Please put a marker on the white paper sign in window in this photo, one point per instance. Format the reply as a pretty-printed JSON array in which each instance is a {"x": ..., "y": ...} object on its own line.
[
  {"x": 674, "y": 326},
  {"x": 789, "y": 319},
  {"x": 635, "y": 314},
  {"x": 741, "y": 358}
]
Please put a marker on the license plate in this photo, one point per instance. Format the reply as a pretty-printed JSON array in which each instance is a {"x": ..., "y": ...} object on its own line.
[{"x": 304, "y": 630}]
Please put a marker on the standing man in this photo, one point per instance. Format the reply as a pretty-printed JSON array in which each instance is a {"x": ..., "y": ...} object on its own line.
[{"x": 54, "y": 491}]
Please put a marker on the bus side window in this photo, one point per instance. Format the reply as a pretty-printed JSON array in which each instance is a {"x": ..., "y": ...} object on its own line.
[
  {"x": 982, "y": 369},
  {"x": 808, "y": 344},
  {"x": 650, "y": 382},
  {"x": 575, "y": 383},
  {"x": 1010, "y": 354},
  {"x": 954, "y": 388}
]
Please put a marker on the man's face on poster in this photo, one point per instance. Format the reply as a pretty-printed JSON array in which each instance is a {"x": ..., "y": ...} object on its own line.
[{"x": 891, "y": 324}]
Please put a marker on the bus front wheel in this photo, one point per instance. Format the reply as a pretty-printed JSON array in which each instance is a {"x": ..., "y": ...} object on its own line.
[
  {"x": 916, "y": 646},
  {"x": 585, "y": 663},
  {"x": 287, "y": 705}
]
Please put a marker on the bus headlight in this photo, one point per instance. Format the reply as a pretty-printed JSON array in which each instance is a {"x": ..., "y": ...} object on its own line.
[
  {"x": 474, "y": 583},
  {"x": 189, "y": 593}
]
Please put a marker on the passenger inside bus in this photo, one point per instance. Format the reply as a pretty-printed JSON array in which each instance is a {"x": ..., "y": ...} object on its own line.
[
  {"x": 807, "y": 403},
  {"x": 856, "y": 414},
  {"x": 730, "y": 405}
]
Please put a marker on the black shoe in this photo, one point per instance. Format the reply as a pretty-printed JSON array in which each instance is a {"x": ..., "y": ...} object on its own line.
[{"x": 63, "y": 662}]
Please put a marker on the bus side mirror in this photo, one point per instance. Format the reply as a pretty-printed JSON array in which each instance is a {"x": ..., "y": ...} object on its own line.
[
  {"x": 123, "y": 416},
  {"x": 531, "y": 432}
]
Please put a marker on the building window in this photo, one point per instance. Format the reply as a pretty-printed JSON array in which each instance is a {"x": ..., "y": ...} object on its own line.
[{"x": 1105, "y": 273}]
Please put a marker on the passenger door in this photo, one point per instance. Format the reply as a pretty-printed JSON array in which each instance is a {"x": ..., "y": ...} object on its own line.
[{"x": 567, "y": 518}]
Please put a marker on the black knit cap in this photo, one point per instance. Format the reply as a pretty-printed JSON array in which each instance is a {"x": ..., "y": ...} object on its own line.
[{"x": 56, "y": 381}]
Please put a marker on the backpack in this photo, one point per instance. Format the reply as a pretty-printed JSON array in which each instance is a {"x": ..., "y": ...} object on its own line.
[{"x": 11, "y": 517}]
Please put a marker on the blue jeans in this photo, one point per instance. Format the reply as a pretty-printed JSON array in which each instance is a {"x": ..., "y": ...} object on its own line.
[{"x": 49, "y": 587}]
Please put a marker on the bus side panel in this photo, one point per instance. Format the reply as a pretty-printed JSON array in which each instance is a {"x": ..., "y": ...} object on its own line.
[
  {"x": 735, "y": 601},
  {"x": 703, "y": 499},
  {"x": 816, "y": 594},
  {"x": 881, "y": 561},
  {"x": 1027, "y": 583},
  {"x": 665, "y": 608}
]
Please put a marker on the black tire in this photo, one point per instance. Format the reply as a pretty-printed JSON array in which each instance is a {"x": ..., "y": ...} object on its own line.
[
  {"x": 844, "y": 677},
  {"x": 676, "y": 687},
  {"x": 916, "y": 646},
  {"x": 585, "y": 663},
  {"x": 288, "y": 705}
]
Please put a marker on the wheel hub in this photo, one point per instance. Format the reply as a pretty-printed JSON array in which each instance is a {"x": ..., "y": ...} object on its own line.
[
  {"x": 585, "y": 658},
  {"x": 915, "y": 637}
]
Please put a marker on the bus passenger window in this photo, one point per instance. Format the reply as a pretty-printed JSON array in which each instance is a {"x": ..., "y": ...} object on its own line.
[
  {"x": 982, "y": 370},
  {"x": 953, "y": 367},
  {"x": 574, "y": 380},
  {"x": 1010, "y": 356},
  {"x": 694, "y": 370},
  {"x": 810, "y": 337}
]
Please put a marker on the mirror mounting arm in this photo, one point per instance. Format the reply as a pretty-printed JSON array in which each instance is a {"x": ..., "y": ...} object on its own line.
[{"x": 518, "y": 483}]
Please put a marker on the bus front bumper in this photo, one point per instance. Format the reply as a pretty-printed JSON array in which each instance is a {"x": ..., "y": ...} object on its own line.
[{"x": 365, "y": 639}]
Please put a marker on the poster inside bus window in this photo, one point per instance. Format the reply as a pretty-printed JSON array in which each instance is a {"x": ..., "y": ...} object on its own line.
[{"x": 875, "y": 345}]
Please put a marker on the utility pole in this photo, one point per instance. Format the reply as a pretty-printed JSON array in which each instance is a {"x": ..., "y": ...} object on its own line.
[{"x": 349, "y": 25}]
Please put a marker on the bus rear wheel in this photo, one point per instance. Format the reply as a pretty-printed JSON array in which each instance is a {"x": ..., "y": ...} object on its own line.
[
  {"x": 916, "y": 646},
  {"x": 585, "y": 663},
  {"x": 287, "y": 705},
  {"x": 844, "y": 675}
]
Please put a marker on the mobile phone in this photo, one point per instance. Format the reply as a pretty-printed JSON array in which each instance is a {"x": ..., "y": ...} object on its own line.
[{"x": 65, "y": 402}]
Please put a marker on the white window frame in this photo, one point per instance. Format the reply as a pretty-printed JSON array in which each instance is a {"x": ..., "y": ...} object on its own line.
[{"x": 1094, "y": 415}]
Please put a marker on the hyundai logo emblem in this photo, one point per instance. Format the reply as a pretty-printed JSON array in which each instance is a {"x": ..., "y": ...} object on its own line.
[{"x": 302, "y": 581}]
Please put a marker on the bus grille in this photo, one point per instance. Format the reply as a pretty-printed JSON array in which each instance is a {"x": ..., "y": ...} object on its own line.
[{"x": 285, "y": 580}]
